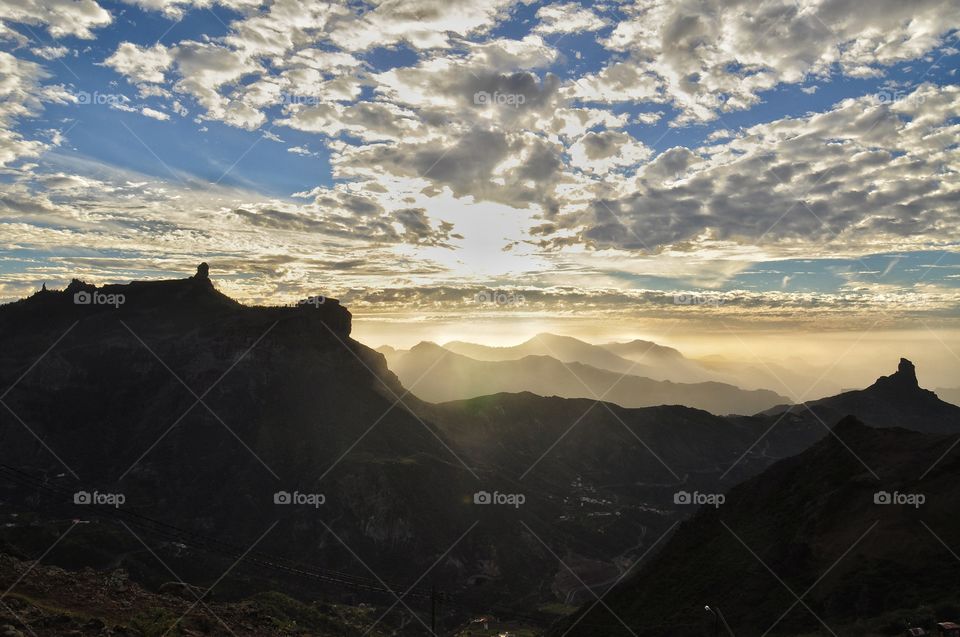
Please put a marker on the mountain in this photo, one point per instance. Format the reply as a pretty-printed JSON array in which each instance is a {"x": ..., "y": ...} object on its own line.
[
  {"x": 896, "y": 400},
  {"x": 637, "y": 358},
  {"x": 638, "y": 349},
  {"x": 199, "y": 410},
  {"x": 818, "y": 524},
  {"x": 563, "y": 348},
  {"x": 225, "y": 427},
  {"x": 435, "y": 374}
]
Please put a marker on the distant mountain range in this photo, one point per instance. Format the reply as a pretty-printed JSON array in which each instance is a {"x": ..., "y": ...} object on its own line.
[
  {"x": 201, "y": 410},
  {"x": 438, "y": 374}
]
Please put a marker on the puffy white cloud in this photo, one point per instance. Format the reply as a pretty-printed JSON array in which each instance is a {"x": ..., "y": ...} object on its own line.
[
  {"x": 175, "y": 9},
  {"x": 710, "y": 56},
  {"x": 22, "y": 94},
  {"x": 141, "y": 64},
  {"x": 154, "y": 114},
  {"x": 423, "y": 24},
  {"x": 61, "y": 17},
  {"x": 863, "y": 175},
  {"x": 568, "y": 17}
]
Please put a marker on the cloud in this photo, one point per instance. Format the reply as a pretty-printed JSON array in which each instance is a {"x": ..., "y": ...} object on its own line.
[
  {"x": 22, "y": 95},
  {"x": 707, "y": 56},
  {"x": 155, "y": 114},
  {"x": 862, "y": 174},
  {"x": 423, "y": 24},
  {"x": 567, "y": 18},
  {"x": 602, "y": 152},
  {"x": 51, "y": 52},
  {"x": 140, "y": 64},
  {"x": 176, "y": 9},
  {"x": 61, "y": 17}
]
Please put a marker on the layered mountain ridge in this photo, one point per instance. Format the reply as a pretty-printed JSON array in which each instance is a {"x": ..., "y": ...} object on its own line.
[{"x": 200, "y": 410}]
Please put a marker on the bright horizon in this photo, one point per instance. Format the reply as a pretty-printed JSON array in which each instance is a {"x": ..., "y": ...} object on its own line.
[{"x": 759, "y": 183}]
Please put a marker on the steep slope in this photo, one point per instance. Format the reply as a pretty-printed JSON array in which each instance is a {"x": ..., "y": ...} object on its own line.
[
  {"x": 817, "y": 523},
  {"x": 438, "y": 375}
]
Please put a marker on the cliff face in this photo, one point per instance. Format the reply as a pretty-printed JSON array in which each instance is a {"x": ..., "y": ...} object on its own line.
[
  {"x": 172, "y": 303},
  {"x": 199, "y": 409}
]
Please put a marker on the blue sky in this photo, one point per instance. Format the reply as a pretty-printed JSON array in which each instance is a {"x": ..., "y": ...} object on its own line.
[{"x": 773, "y": 149}]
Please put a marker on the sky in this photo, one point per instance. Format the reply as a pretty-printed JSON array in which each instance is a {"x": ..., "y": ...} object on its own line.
[{"x": 494, "y": 168}]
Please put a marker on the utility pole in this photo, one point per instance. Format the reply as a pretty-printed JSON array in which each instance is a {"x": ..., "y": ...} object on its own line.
[{"x": 433, "y": 610}]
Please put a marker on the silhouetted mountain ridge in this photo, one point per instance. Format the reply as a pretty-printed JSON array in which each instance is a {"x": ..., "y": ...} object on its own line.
[
  {"x": 436, "y": 374},
  {"x": 896, "y": 400},
  {"x": 818, "y": 521}
]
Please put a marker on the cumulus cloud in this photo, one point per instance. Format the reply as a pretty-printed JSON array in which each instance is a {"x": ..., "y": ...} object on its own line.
[
  {"x": 140, "y": 64},
  {"x": 154, "y": 114},
  {"x": 567, "y": 18},
  {"x": 61, "y": 18},
  {"x": 22, "y": 95},
  {"x": 708, "y": 57},
  {"x": 425, "y": 107},
  {"x": 602, "y": 152},
  {"x": 862, "y": 174},
  {"x": 423, "y": 24}
]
